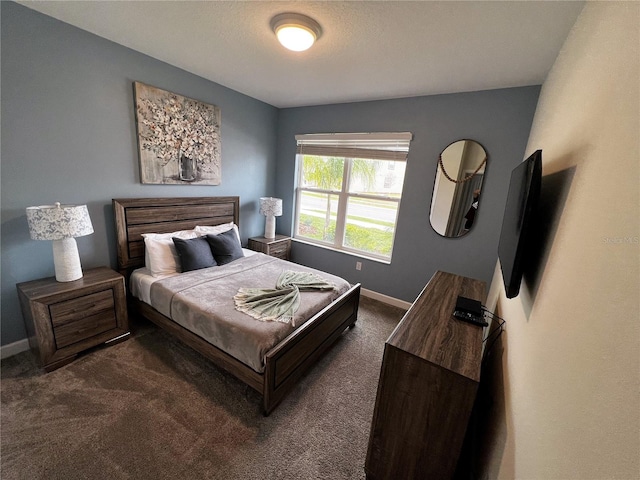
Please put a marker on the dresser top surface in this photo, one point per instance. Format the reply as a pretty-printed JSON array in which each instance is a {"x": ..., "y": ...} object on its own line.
[{"x": 429, "y": 331}]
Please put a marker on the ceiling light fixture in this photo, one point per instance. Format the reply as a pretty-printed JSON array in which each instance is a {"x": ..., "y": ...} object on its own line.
[{"x": 295, "y": 31}]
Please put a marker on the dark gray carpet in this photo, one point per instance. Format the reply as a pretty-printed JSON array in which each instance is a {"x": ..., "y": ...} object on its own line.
[{"x": 152, "y": 408}]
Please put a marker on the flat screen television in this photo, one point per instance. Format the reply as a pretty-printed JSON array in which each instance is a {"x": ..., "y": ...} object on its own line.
[{"x": 519, "y": 215}]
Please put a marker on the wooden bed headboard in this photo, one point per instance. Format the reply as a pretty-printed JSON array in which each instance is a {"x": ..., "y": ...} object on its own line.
[{"x": 135, "y": 216}]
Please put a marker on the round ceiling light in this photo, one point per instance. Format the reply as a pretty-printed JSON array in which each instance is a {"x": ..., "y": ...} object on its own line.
[{"x": 295, "y": 31}]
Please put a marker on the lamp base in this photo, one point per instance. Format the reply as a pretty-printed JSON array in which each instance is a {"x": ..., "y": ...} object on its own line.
[
  {"x": 270, "y": 227},
  {"x": 66, "y": 260}
]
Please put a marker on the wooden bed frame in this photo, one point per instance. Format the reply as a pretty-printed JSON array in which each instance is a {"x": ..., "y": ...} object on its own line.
[{"x": 287, "y": 361}]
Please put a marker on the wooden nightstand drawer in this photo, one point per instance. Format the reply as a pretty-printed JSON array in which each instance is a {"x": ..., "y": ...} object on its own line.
[
  {"x": 280, "y": 250},
  {"x": 83, "y": 317},
  {"x": 75, "y": 309},
  {"x": 84, "y": 328},
  {"x": 279, "y": 247}
]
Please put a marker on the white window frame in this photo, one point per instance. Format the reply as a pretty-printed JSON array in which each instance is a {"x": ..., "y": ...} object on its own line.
[{"x": 374, "y": 146}]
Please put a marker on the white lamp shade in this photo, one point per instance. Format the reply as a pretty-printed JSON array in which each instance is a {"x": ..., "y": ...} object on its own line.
[
  {"x": 270, "y": 206},
  {"x": 55, "y": 222}
]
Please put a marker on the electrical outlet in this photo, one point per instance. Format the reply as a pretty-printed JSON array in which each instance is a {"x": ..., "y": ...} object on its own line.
[{"x": 358, "y": 265}]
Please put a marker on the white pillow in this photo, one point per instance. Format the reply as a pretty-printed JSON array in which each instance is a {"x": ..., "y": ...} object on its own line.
[
  {"x": 161, "y": 256},
  {"x": 218, "y": 229}
]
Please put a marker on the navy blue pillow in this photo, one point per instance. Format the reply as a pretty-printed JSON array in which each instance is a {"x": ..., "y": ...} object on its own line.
[
  {"x": 225, "y": 247},
  {"x": 194, "y": 253}
]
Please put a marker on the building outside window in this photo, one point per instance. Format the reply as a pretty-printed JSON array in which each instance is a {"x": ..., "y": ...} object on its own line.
[{"x": 349, "y": 189}]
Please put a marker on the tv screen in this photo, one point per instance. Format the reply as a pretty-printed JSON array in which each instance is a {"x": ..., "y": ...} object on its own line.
[{"x": 519, "y": 213}]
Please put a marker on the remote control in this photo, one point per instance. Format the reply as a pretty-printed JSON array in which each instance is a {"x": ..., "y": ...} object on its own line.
[{"x": 470, "y": 317}]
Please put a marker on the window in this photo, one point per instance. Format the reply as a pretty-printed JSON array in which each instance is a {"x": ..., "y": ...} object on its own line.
[{"x": 349, "y": 189}]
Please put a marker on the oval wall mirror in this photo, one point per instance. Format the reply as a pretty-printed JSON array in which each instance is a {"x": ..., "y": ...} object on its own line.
[{"x": 457, "y": 188}]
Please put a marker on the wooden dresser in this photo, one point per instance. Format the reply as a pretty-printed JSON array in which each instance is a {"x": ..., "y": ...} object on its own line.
[{"x": 428, "y": 382}]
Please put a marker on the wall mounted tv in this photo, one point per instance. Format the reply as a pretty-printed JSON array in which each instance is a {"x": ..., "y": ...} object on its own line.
[{"x": 519, "y": 215}]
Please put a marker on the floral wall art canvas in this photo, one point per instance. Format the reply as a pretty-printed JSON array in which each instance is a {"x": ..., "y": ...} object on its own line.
[{"x": 178, "y": 138}]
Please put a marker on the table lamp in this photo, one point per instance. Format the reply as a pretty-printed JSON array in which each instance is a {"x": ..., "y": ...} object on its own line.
[
  {"x": 61, "y": 223},
  {"x": 271, "y": 208}
]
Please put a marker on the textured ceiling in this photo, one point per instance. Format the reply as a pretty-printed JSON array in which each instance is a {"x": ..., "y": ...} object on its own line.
[{"x": 367, "y": 51}]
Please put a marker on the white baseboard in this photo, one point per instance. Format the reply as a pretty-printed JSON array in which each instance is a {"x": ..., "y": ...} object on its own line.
[
  {"x": 385, "y": 298},
  {"x": 14, "y": 348}
]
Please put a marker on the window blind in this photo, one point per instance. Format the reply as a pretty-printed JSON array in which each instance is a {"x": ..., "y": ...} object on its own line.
[{"x": 374, "y": 146}]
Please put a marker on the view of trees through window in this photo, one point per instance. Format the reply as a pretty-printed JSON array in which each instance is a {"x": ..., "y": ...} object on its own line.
[{"x": 349, "y": 203}]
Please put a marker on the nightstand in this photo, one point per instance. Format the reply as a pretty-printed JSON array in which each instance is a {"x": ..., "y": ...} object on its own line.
[
  {"x": 65, "y": 318},
  {"x": 279, "y": 247}
]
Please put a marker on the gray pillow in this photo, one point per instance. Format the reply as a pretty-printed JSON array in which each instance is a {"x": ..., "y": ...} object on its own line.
[
  {"x": 194, "y": 253},
  {"x": 225, "y": 247}
]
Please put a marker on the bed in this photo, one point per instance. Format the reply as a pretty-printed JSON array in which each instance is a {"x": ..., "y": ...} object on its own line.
[{"x": 282, "y": 364}]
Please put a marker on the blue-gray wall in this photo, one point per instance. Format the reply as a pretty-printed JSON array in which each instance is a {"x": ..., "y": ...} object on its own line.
[
  {"x": 499, "y": 119},
  {"x": 68, "y": 135}
]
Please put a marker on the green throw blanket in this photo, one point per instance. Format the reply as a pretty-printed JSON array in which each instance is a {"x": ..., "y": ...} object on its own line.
[{"x": 280, "y": 303}]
